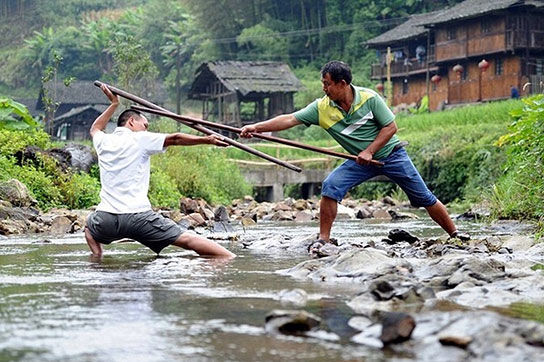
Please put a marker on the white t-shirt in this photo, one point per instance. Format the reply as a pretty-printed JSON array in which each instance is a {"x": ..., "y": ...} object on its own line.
[{"x": 123, "y": 158}]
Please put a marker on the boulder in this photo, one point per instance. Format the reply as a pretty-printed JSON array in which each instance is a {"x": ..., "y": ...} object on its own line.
[
  {"x": 345, "y": 212},
  {"x": 81, "y": 157},
  {"x": 195, "y": 219},
  {"x": 381, "y": 214},
  {"x": 303, "y": 216},
  {"x": 363, "y": 213},
  {"x": 188, "y": 205},
  {"x": 60, "y": 225},
  {"x": 16, "y": 193}
]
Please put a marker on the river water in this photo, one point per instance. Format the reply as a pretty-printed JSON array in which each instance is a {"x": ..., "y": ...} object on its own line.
[{"x": 57, "y": 303}]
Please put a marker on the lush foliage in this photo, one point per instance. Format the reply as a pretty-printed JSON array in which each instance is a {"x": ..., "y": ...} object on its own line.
[
  {"x": 197, "y": 171},
  {"x": 122, "y": 40},
  {"x": 193, "y": 171},
  {"x": 519, "y": 193},
  {"x": 14, "y": 115},
  {"x": 48, "y": 183}
]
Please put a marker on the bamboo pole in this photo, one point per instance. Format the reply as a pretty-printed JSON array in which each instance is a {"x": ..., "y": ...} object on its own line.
[
  {"x": 258, "y": 135},
  {"x": 196, "y": 126}
]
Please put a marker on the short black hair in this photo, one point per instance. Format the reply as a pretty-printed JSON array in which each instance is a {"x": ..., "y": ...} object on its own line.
[
  {"x": 338, "y": 71},
  {"x": 125, "y": 115}
]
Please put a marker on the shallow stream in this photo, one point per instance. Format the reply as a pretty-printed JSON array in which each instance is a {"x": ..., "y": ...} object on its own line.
[{"x": 57, "y": 303}]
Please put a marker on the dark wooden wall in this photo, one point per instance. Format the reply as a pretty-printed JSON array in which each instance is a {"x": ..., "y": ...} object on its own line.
[
  {"x": 470, "y": 40},
  {"x": 485, "y": 85}
]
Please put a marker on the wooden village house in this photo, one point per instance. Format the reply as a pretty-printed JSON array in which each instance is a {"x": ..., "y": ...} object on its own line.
[
  {"x": 79, "y": 104},
  {"x": 471, "y": 52},
  {"x": 238, "y": 93}
]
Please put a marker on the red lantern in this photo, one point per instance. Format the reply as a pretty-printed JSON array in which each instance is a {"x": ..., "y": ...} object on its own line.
[
  {"x": 436, "y": 78},
  {"x": 379, "y": 87},
  {"x": 483, "y": 65},
  {"x": 458, "y": 68}
]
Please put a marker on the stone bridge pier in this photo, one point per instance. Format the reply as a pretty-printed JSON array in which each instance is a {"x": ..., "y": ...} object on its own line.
[{"x": 273, "y": 180}]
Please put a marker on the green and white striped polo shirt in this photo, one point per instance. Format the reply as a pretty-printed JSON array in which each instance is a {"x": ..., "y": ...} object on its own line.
[{"x": 356, "y": 129}]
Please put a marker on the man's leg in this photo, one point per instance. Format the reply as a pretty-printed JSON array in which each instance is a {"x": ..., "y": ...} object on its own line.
[
  {"x": 96, "y": 247},
  {"x": 439, "y": 214},
  {"x": 202, "y": 246},
  {"x": 327, "y": 213},
  {"x": 335, "y": 187}
]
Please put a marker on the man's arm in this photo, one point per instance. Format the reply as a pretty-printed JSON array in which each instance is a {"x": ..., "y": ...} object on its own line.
[
  {"x": 278, "y": 123},
  {"x": 385, "y": 134},
  {"x": 101, "y": 121},
  {"x": 182, "y": 139}
]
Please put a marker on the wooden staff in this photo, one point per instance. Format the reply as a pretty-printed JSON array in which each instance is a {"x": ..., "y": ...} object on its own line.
[
  {"x": 258, "y": 135},
  {"x": 153, "y": 107}
]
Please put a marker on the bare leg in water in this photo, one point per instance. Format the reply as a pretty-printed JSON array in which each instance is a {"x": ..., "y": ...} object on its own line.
[
  {"x": 96, "y": 247},
  {"x": 202, "y": 246}
]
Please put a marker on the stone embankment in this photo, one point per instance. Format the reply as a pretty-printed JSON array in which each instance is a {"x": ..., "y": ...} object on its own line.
[{"x": 18, "y": 214}]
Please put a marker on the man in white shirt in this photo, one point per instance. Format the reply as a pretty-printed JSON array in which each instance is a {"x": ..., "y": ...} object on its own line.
[{"x": 124, "y": 210}]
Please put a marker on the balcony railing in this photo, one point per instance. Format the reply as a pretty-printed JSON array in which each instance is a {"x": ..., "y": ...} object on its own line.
[
  {"x": 519, "y": 39},
  {"x": 403, "y": 66}
]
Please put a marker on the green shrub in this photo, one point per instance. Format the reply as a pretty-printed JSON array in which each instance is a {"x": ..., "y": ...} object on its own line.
[
  {"x": 519, "y": 193},
  {"x": 80, "y": 191},
  {"x": 13, "y": 141},
  {"x": 163, "y": 190},
  {"x": 202, "y": 171}
]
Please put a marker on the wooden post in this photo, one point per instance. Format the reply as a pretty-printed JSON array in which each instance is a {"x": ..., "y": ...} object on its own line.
[
  {"x": 427, "y": 73},
  {"x": 389, "y": 86}
]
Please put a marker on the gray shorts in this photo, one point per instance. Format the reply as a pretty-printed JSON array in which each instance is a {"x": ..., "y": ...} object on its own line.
[{"x": 148, "y": 227}]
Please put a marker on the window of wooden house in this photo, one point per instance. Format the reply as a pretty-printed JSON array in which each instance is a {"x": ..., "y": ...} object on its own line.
[
  {"x": 539, "y": 68},
  {"x": 405, "y": 86},
  {"x": 485, "y": 26},
  {"x": 451, "y": 34},
  {"x": 464, "y": 74},
  {"x": 499, "y": 66}
]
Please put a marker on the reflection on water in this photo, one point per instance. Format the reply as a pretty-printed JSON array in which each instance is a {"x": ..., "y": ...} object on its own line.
[{"x": 56, "y": 303}]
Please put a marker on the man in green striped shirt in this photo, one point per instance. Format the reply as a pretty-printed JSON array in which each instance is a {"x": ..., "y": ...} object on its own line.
[{"x": 360, "y": 121}]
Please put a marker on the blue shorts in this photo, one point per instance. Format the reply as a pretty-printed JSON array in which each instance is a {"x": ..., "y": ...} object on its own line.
[{"x": 397, "y": 166}]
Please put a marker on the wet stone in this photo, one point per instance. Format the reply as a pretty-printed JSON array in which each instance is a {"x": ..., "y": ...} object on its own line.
[
  {"x": 363, "y": 213},
  {"x": 222, "y": 227},
  {"x": 297, "y": 297},
  {"x": 221, "y": 214},
  {"x": 382, "y": 290},
  {"x": 457, "y": 341},
  {"x": 397, "y": 327},
  {"x": 290, "y": 322},
  {"x": 188, "y": 205},
  {"x": 396, "y": 215},
  {"x": 303, "y": 216},
  {"x": 398, "y": 235},
  {"x": 246, "y": 221}
]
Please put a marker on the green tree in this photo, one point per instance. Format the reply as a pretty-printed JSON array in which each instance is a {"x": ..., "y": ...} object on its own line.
[
  {"x": 177, "y": 51},
  {"x": 263, "y": 41}
]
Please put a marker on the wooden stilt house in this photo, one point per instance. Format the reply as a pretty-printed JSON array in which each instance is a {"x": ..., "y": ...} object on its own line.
[
  {"x": 477, "y": 50},
  {"x": 238, "y": 93}
]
